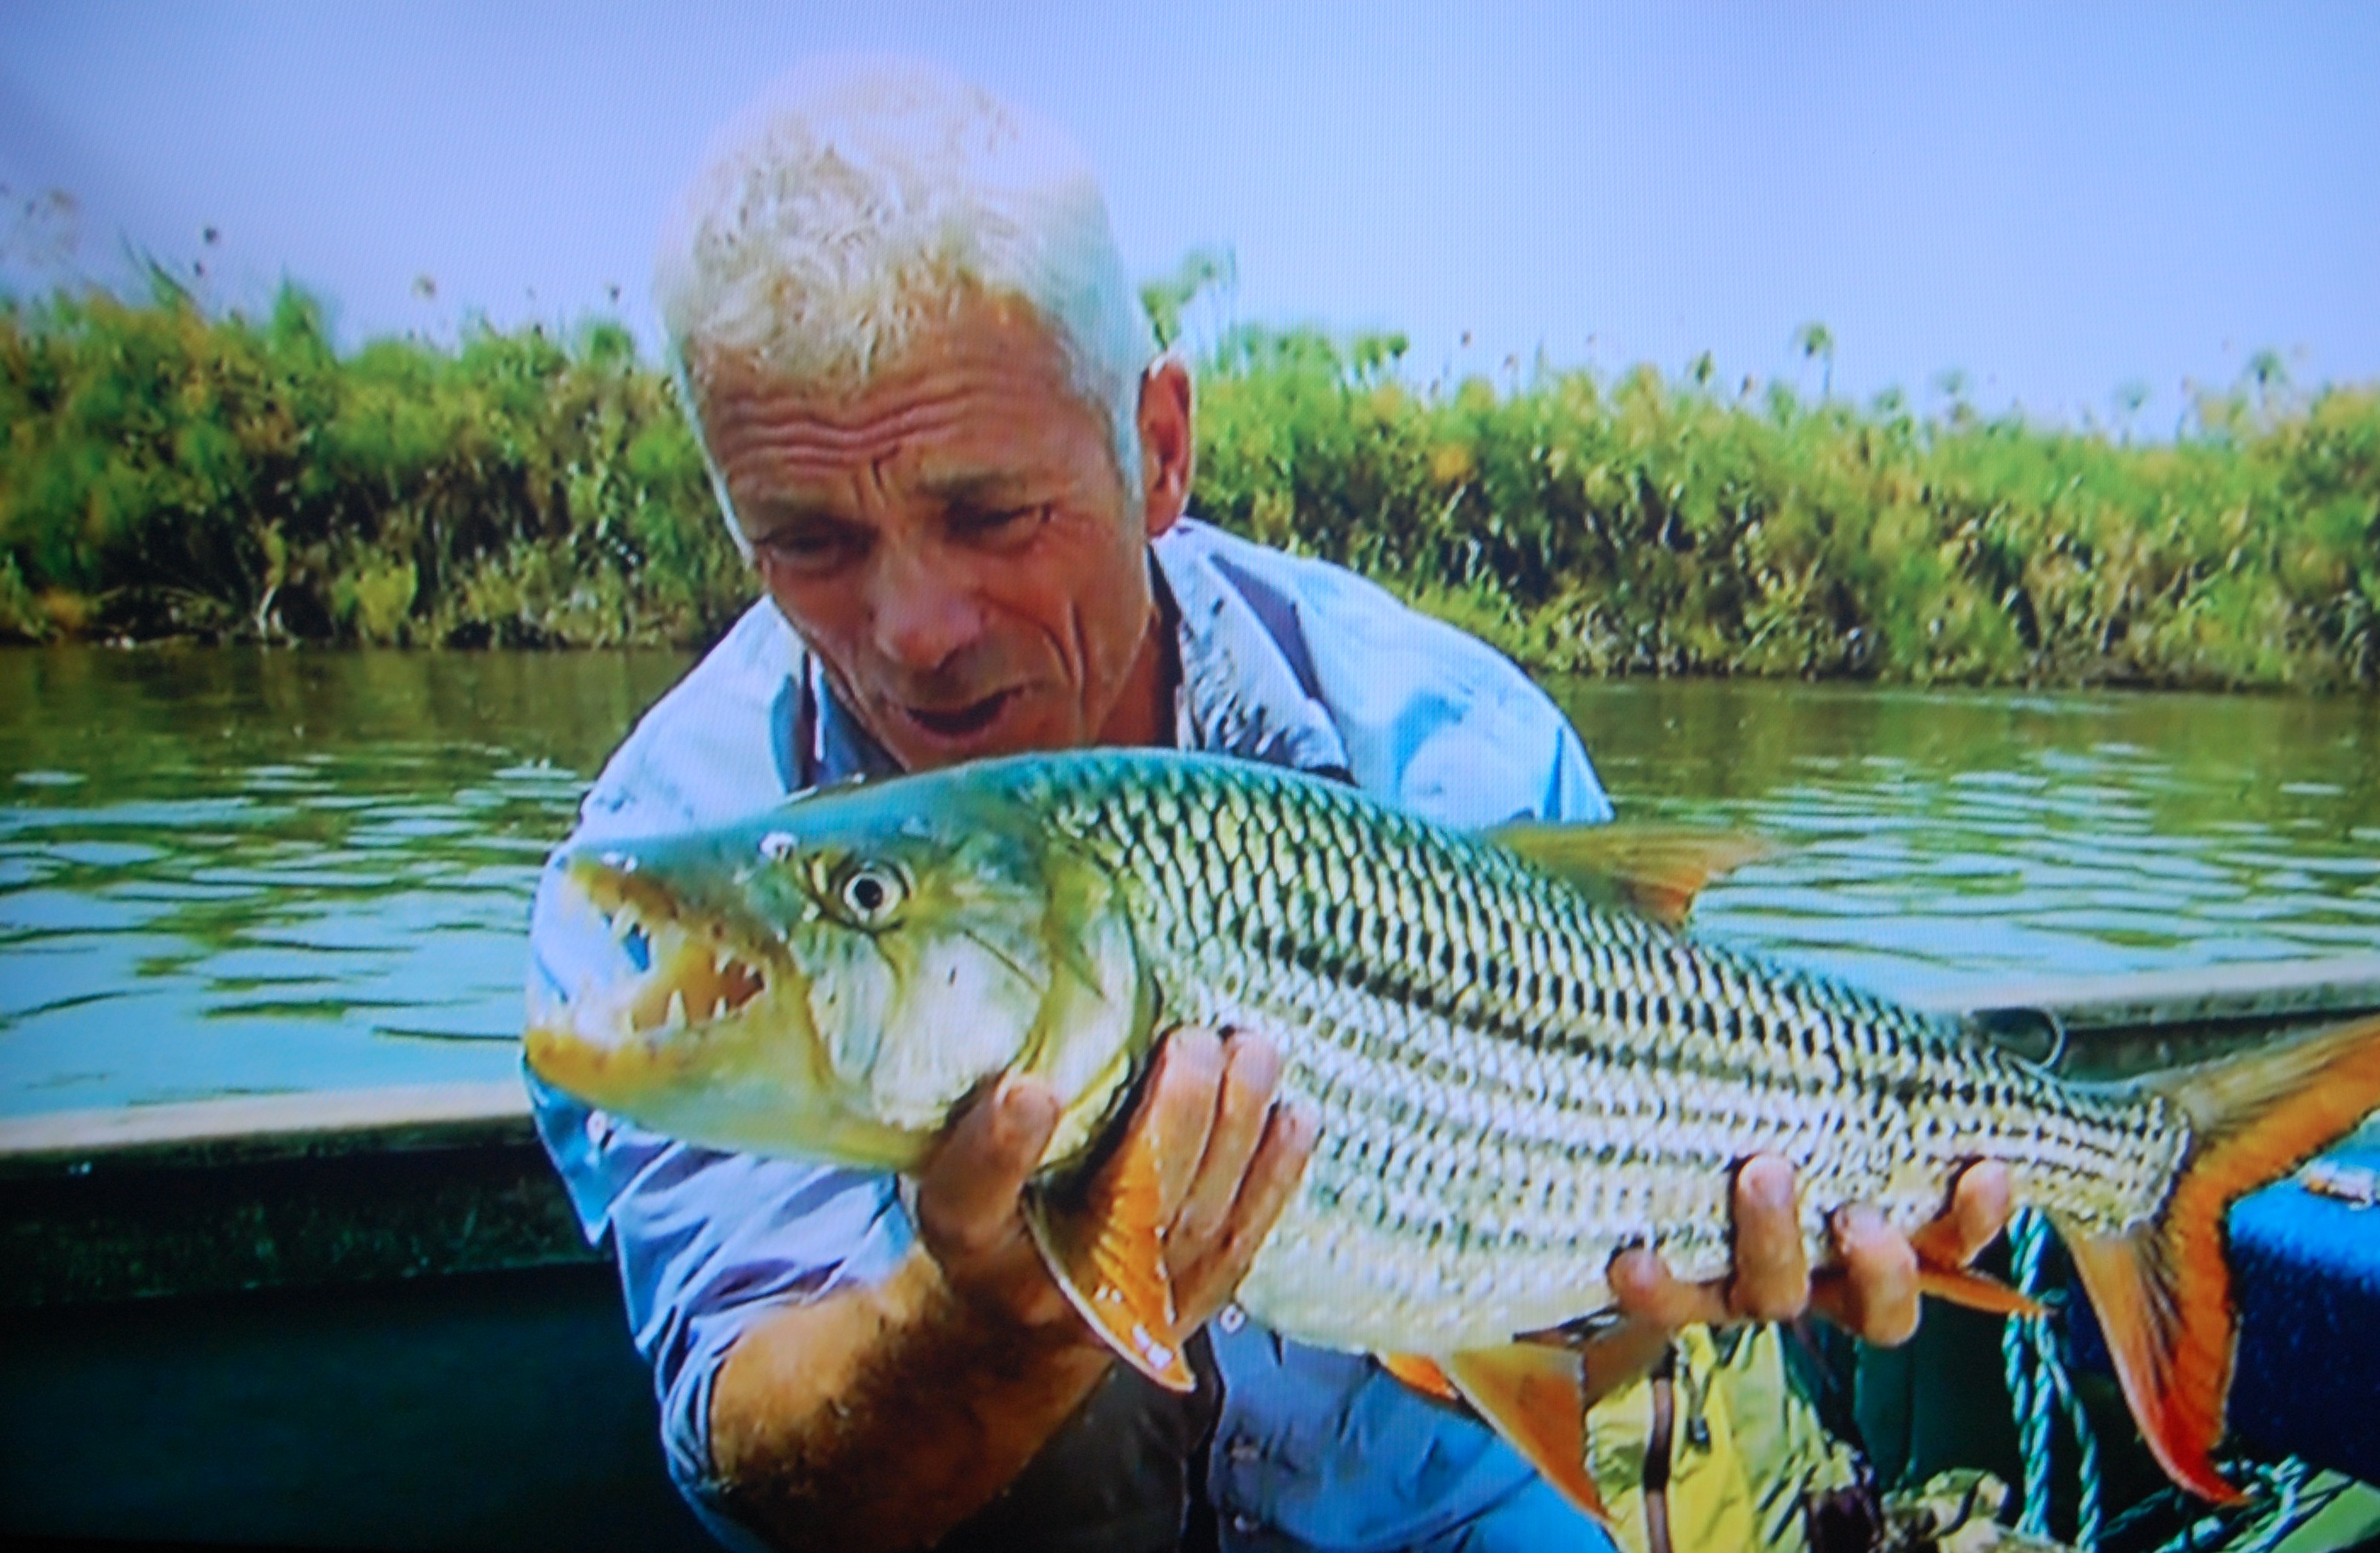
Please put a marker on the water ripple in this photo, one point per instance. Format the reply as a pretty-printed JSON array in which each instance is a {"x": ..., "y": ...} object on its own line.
[{"x": 248, "y": 872}]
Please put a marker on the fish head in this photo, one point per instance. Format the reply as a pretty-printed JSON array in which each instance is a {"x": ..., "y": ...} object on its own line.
[{"x": 834, "y": 977}]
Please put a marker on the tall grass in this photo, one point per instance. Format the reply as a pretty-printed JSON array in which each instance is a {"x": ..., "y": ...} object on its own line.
[{"x": 165, "y": 473}]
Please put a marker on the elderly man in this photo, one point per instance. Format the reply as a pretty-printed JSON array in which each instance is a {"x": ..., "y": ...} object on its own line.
[{"x": 938, "y": 424}]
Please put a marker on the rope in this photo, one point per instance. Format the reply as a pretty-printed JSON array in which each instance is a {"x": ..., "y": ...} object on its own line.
[
  {"x": 2274, "y": 1518},
  {"x": 2039, "y": 1389}
]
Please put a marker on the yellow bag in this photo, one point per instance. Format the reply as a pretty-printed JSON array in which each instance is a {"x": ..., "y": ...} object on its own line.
[{"x": 1717, "y": 1452}]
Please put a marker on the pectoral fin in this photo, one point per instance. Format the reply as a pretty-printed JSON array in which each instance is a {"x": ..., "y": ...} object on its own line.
[
  {"x": 1108, "y": 1256},
  {"x": 1535, "y": 1396}
]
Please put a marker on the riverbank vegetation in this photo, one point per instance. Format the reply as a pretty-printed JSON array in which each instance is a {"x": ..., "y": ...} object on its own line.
[{"x": 165, "y": 473}]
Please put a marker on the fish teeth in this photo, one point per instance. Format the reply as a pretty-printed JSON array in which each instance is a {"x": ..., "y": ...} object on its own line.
[{"x": 677, "y": 1017}]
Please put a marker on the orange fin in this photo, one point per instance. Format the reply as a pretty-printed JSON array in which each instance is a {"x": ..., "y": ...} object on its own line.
[
  {"x": 2161, "y": 1288},
  {"x": 1535, "y": 1396},
  {"x": 1964, "y": 1286},
  {"x": 1108, "y": 1255},
  {"x": 1653, "y": 869},
  {"x": 1960, "y": 1286},
  {"x": 1420, "y": 1373}
]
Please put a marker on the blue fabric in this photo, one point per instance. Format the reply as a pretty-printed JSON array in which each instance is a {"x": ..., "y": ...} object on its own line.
[
  {"x": 2306, "y": 1278},
  {"x": 1284, "y": 660}
]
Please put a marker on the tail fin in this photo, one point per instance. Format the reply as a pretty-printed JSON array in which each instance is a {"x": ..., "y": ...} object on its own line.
[{"x": 2162, "y": 1289}]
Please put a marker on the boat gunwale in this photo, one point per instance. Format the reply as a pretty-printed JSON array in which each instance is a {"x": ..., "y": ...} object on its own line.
[{"x": 2252, "y": 996}]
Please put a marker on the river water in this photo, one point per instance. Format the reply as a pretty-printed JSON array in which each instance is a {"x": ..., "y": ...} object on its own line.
[{"x": 233, "y": 871}]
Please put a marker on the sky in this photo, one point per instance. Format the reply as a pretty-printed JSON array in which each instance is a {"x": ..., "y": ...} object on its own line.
[{"x": 2062, "y": 204}]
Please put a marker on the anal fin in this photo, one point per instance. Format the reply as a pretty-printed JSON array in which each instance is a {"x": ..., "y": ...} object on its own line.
[
  {"x": 1107, "y": 1257},
  {"x": 1422, "y": 1372},
  {"x": 1535, "y": 1396}
]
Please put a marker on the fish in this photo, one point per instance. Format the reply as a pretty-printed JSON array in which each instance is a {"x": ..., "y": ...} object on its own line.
[{"x": 1521, "y": 1058}]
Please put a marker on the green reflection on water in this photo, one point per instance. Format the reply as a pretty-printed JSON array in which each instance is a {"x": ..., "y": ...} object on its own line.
[
  {"x": 233, "y": 871},
  {"x": 1941, "y": 837}
]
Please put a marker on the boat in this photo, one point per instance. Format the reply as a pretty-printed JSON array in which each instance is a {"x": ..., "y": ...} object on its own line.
[{"x": 369, "y": 1319}]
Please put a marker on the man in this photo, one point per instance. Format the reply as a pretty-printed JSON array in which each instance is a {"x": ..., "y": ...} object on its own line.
[{"x": 937, "y": 425}]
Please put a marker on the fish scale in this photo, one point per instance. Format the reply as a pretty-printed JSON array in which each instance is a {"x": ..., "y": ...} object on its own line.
[{"x": 1514, "y": 1081}]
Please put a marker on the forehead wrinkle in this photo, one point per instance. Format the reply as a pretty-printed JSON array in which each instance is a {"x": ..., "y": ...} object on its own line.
[{"x": 812, "y": 431}]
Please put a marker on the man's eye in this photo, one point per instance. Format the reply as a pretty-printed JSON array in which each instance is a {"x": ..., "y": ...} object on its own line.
[
  {"x": 1000, "y": 523},
  {"x": 808, "y": 548}
]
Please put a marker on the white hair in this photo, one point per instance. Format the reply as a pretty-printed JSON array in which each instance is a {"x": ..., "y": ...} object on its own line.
[{"x": 860, "y": 199}]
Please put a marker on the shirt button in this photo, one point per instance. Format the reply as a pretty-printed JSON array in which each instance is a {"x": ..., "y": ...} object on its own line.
[
  {"x": 1232, "y": 1318},
  {"x": 1241, "y": 1451},
  {"x": 1245, "y": 1525},
  {"x": 599, "y": 1128}
]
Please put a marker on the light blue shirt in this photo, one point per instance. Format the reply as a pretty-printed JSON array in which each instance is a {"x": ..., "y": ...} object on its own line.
[{"x": 1284, "y": 660}]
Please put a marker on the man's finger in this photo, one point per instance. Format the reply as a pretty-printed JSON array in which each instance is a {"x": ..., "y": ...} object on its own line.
[
  {"x": 968, "y": 1193},
  {"x": 1875, "y": 1295},
  {"x": 1772, "y": 1268},
  {"x": 1265, "y": 1193},
  {"x": 1251, "y": 1068},
  {"x": 1979, "y": 1210},
  {"x": 1645, "y": 1292},
  {"x": 1179, "y": 1110}
]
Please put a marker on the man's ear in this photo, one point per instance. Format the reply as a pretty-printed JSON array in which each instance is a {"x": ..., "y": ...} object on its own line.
[{"x": 1167, "y": 446}]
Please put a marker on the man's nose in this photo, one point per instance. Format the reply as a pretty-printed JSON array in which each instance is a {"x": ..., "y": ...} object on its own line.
[{"x": 924, "y": 614}]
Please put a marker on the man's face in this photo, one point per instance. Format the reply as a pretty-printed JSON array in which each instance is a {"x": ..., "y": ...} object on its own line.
[{"x": 953, "y": 540}]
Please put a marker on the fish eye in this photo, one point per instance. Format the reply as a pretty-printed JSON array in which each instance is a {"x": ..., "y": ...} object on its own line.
[{"x": 872, "y": 893}]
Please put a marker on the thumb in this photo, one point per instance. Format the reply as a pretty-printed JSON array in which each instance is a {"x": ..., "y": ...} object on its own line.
[{"x": 969, "y": 1191}]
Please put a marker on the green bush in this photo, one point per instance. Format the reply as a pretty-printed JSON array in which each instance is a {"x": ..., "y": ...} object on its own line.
[
  {"x": 236, "y": 478},
  {"x": 165, "y": 473},
  {"x": 1646, "y": 526}
]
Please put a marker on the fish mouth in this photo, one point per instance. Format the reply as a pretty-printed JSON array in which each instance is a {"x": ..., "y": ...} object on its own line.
[{"x": 658, "y": 980}]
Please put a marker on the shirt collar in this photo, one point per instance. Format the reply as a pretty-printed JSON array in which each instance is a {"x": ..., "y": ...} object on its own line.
[{"x": 1246, "y": 685}]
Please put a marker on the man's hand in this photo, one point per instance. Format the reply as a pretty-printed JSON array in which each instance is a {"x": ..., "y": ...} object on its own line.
[
  {"x": 883, "y": 1415},
  {"x": 1227, "y": 1160},
  {"x": 1874, "y": 1294}
]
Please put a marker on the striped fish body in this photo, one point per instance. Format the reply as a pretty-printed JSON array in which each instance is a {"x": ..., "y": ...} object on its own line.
[
  {"x": 1517, "y": 1073},
  {"x": 1516, "y": 1079}
]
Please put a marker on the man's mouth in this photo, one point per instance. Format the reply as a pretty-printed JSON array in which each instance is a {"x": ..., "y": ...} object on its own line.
[{"x": 959, "y": 723}]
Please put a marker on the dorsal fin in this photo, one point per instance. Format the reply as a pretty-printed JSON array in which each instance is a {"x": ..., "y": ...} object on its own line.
[{"x": 1653, "y": 869}]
